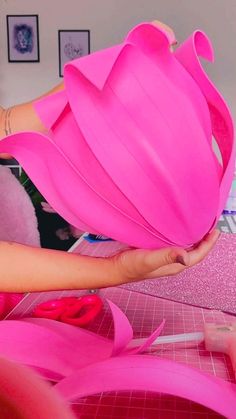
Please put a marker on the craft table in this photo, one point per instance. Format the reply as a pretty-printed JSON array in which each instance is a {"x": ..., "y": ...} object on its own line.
[{"x": 144, "y": 312}]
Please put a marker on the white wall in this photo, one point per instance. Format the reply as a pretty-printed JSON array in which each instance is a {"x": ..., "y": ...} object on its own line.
[{"x": 109, "y": 21}]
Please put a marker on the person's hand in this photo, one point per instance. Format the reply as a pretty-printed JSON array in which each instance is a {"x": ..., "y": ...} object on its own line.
[
  {"x": 46, "y": 207},
  {"x": 135, "y": 265},
  {"x": 168, "y": 30}
]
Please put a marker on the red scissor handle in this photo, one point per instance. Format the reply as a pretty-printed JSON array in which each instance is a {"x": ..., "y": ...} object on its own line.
[
  {"x": 72, "y": 310},
  {"x": 83, "y": 311},
  {"x": 54, "y": 308}
]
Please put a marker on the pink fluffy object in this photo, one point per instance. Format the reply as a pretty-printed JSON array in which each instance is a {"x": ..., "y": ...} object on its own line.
[
  {"x": 18, "y": 223},
  {"x": 17, "y": 215}
]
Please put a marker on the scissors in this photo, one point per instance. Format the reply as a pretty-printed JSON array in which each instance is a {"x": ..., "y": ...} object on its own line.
[{"x": 77, "y": 311}]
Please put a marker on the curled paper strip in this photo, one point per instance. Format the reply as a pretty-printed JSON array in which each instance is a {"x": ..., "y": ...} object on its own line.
[
  {"x": 112, "y": 134},
  {"x": 221, "y": 120},
  {"x": 146, "y": 373},
  {"x": 67, "y": 355}
]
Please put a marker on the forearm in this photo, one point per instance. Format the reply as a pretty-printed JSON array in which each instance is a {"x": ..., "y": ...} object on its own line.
[
  {"x": 23, "y": 117},
  {"x": 28, "y": 269}
]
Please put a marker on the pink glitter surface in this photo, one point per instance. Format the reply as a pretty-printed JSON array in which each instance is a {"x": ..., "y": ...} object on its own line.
[{"x": 211, "y": 284}]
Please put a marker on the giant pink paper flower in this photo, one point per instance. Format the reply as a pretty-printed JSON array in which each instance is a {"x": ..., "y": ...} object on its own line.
[{"x": 129, "y": 154}]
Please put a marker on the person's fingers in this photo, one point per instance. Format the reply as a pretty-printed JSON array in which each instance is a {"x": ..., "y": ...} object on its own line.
[
  {"x": 167, "y": 270},
  {"x": 167, "y": 29},
  {"x": 5, "y": 156},
  {"x": 203, "y": 249},
  {"x": 47, "y": 208},
  {"x": 140, "y": 264},
  {"x": 136, "y": 264},
  {"x": 196, "y": 256}
]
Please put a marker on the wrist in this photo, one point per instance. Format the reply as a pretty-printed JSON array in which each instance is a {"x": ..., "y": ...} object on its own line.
[
  {"x": 2, "y": 119},
  {"x": 5, "y": 121},
  {"x": 119, "y": 272},
  {"x": 5, "y": 127}
]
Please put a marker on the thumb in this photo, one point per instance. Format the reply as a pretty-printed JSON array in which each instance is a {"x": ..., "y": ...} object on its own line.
[
  {"x": 169, "y": 31},
  {"x": 138, "y": 263}
]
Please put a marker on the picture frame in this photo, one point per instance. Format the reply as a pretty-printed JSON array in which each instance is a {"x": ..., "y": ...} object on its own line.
[
  {"x": 72, "y": 44},
  {"x": 23, "y": 38}
]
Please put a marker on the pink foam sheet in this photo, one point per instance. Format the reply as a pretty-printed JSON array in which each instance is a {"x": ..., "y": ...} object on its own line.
[
  {"x": 131, "y": 136},
  {"x": 210, "y": 284},
  {"x": 67, "y": 355}
]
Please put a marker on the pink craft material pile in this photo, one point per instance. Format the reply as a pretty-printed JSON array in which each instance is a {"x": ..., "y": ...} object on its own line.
[{"x": 49, "y": 347}]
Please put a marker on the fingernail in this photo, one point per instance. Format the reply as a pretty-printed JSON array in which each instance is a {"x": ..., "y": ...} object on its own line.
[{"x": 182, "y": 260}]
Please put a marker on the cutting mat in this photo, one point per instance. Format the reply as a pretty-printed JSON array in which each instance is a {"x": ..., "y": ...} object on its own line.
[{"x": 145, "y": 313}]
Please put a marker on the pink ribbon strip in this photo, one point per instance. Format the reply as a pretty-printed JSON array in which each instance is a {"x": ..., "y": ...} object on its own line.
[
  {"x": 147, "y": 373},
  {"x": 83, "y": 363}
]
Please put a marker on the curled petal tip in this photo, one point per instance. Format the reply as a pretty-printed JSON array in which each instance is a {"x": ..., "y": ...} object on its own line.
[{"x": 203, "y": 45}]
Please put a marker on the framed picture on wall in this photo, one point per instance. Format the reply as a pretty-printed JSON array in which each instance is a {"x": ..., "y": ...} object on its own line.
[
  {"x": 23, "y": 38},
  {"x": 72, "y": 44}
]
